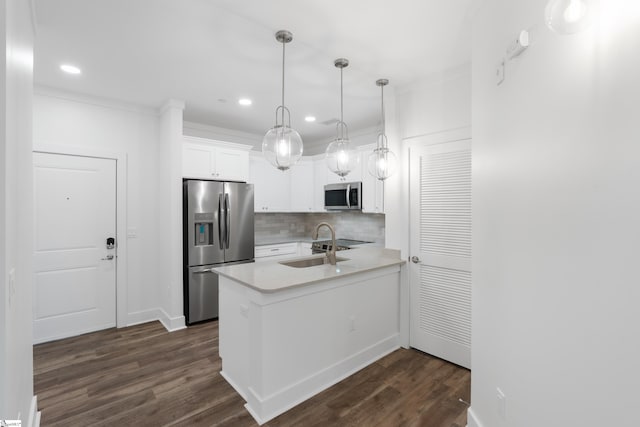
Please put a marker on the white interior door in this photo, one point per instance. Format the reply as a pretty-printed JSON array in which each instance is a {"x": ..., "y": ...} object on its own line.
[
  {"x": 440, "y": 271},
  {"x": 75, "y": 271}
]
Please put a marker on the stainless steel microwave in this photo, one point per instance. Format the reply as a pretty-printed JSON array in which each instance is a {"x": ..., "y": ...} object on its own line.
[{"x": 343, "y": 196}]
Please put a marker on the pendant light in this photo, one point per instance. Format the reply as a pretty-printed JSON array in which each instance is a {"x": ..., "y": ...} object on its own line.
[
  {"x": 568, "y": 16},
  {"x": 382, "y": 162},
  {"x": 282, "y": 145},
  {"x": 341, "y": 159}
]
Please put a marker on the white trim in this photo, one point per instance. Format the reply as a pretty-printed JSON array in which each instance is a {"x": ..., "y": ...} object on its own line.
[
  {"x": 439, "y": 137},
  {"x": 255, "y": 140},
  {"x": 217, "y": 143},
  {"x": 33, "y": 420},
  {"x": 114, "y": 104},
  {"x": 171, "y": 324},
  {"x": 472, "y": 419},
  {"x": 121, "y": 215},
  {"x": 171, "y": 104},
  {"x": 144, "y": 316}
]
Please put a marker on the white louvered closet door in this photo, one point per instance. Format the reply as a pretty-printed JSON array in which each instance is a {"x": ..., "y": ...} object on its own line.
[{"x": 440, "y": 271}]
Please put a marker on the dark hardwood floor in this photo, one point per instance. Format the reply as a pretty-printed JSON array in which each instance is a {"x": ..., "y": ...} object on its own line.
[{"x": 145, "y": 376}]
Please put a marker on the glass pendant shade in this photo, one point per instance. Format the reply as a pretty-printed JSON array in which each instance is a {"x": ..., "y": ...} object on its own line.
[
  {"x": 382, "y": 162},
  {"x": 341, "y": 158},
  {"x": 568, "y": 16},
  {"x": 282, "y": 147}
]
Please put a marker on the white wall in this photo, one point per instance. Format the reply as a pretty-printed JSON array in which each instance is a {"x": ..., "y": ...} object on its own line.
[
  {"x": 436, "y": 104},
  {"x": 555, "y": 220},
  {"x": 16, "y": 207},
  {"x": 170, "y": 258},
  {"x": 98, "y": 127}
]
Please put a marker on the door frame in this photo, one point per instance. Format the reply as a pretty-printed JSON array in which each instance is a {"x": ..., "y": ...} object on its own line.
[
  {"x": 410, "y": 145},
  {"x": 121, "y": 213}
]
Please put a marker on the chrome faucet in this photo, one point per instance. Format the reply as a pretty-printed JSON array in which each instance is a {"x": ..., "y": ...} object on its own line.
[{"x": 331, "y": 253}]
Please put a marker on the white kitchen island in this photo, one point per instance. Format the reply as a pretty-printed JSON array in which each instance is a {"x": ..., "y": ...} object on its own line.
[{"x": 288, "y": 333}]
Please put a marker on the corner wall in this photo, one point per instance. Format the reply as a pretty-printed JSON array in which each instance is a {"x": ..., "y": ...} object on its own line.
[
  {"x": 555, "y": 219},
  {"x": 16, "y": 213}
]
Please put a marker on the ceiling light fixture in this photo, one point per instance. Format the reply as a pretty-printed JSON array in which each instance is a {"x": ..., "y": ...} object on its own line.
[
  {"x": 282, "y": 145},
  {"x": 382, "y": 162},
  {"x": 245, "y": 101},
  {"x": 70, "y": 69},
  {"x": 568, "y": 16},
  {"x": 341, "y": 159},
  {"x": 310, "y": 119}
]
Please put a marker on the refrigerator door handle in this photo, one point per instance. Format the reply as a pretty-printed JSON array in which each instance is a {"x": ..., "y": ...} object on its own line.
[
  {"x": 206, "y": 270},
  {"x": 227, "y": 215},
  {"x": 220, "y": 213},
  {"x": 349, "y": 196}
]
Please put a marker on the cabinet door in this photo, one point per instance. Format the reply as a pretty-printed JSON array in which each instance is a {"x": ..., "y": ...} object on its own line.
[
  {"x": 302, "y": 187},
  {"x": 232, "y": 165},
  {"x": 197, "y": 161},
  {"x": 272, "y": 187},
  {"x": 372, "y": 188},
  {"x": 320, "y": 180}
]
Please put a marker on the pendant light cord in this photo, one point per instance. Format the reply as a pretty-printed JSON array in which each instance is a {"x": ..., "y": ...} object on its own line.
[
  {"x": 383, "y": 118},
  {"x": 283, "y": 43}
]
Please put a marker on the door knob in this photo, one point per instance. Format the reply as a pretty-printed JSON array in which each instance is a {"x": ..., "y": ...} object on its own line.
[
  {"x": 108, "y": 258},
  {"x": 415, "y": 259}
]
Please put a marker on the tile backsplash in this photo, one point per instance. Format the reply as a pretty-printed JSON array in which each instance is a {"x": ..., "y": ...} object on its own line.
[{"x": 348, "y": 225}]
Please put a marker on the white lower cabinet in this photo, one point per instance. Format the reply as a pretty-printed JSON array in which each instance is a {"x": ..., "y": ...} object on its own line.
[
  {"x": 276, "y": 252},
  {"x": 280, "y": 251}
]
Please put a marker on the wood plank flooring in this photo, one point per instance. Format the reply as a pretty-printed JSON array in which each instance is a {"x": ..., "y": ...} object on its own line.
[{"x": 145, "y": 376}]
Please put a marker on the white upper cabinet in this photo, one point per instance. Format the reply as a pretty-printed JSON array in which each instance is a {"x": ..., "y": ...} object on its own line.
[
  {"x": 209, "y": 159},
  {"x": 320, "y": 174},
  {"x": 303, "y": 186},
  {"x": 372, "y": 188},
  {"x": 271, "y": 186}
]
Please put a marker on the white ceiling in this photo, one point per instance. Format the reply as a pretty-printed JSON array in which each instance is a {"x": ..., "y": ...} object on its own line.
[{"x": 211, "y": 52}]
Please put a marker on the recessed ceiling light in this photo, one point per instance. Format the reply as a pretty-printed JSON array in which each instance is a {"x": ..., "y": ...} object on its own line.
[
  {"x": 71, "y": 69},
  {"x": 309, "y": 119},
  {"x": 245, "y": 101}
]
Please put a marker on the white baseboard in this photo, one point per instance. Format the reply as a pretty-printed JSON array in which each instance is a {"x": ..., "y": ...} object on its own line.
[
  {"x": 171, "y": 323},
  {"x": 265, "y": 408},
  {"x": 144, "y": 316},
  {"x": 472, "y": 419},
  {"x": 34, "y": 414}
]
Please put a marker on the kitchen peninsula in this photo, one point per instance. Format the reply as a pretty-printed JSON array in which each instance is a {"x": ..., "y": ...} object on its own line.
[{"x": 287, "y": 333}]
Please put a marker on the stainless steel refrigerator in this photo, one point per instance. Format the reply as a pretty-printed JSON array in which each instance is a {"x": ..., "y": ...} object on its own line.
[{"x": 218, "y": 229}]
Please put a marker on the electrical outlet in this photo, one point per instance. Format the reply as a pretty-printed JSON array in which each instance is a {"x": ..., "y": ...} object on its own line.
[{"x": 502, "y": 403}]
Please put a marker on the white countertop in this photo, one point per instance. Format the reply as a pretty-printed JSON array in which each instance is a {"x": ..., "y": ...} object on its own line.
[{"x": 271, "y": 276}]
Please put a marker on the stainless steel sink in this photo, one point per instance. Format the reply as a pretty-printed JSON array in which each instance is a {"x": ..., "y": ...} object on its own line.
[{"x": 310, "y": 262}]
